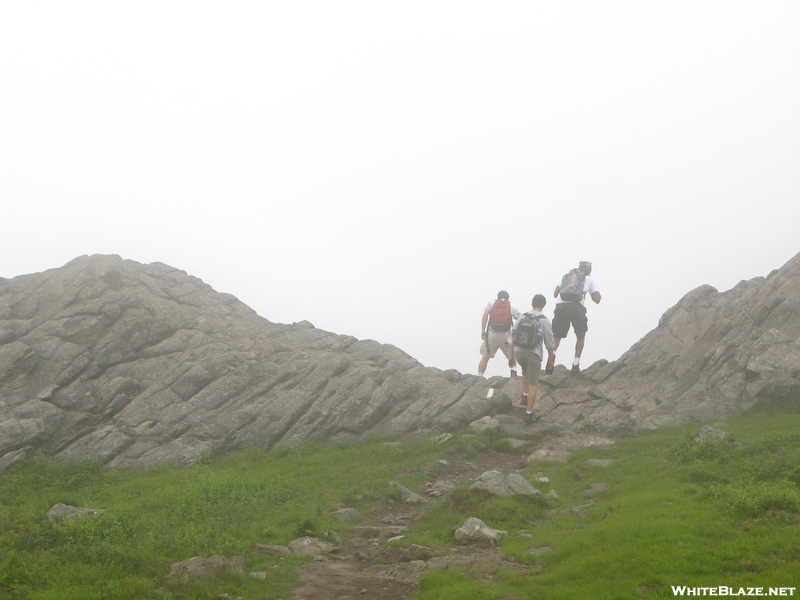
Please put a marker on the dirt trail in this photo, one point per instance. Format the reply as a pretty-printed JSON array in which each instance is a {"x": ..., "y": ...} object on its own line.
[{"x": 352, "y": 572}]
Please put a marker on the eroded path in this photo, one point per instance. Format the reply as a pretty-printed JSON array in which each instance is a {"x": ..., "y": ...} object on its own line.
[{"x": 354, "y": 570}]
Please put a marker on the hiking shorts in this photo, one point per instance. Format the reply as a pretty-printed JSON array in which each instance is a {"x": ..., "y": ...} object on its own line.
[
  {"x": 567, "y": 313},
  {"x": 531, "y": 364},
  {"x": 498, "y": 340}
]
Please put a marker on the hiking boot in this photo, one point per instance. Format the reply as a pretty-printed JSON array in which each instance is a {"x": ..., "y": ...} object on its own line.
[
  {"x": 575, "y": 369},
  {"x": 528, "y": 418},
  {"x": 551, "y": 365},
  {"x": 524, "y": 400}
]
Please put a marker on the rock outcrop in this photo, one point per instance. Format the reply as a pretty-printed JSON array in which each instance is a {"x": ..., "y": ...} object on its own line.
[
  {"x": 712, "y": 356},
  {"x": 108, "y": 359},
  {"x": 133, "y": 365}
]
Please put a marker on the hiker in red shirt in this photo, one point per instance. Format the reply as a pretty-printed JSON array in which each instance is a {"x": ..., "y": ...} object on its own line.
[{"x": 498, "y": 318}]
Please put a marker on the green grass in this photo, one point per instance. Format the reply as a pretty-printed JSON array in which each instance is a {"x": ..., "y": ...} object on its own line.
[
  {"x": 721, "y": 513},
  {"x": 161, "y": 516}
]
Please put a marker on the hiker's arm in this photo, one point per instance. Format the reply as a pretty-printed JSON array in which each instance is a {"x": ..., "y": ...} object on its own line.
[
  {"x": 596, "y": 297},
  {"x": 557, "y": 292},
  {"x": 547, "y": 336},
  {"x": 512, "y": 362},
  {"x": 483, "y": 323}
]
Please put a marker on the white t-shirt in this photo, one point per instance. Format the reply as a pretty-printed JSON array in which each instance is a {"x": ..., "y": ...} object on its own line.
[
  {"x": 589, "y": 286},
  {"x": 514, "y": 312}
]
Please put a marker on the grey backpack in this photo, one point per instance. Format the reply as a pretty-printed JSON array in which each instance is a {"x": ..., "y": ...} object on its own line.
[
  {"x": 572, "y": 286},
  {"x": 528, "y": 334}
]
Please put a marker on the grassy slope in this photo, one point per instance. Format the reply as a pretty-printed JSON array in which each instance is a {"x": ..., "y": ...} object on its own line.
[
  {"x": 718, "y": 514},
  {"x": 675, "y": 513}
]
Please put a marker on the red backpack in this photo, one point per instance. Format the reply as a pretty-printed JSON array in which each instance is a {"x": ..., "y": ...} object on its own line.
[{"x": 500, "y": 317}]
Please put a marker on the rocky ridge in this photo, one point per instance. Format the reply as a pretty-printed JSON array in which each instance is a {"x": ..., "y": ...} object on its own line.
[{"x": 136, "y": 365}]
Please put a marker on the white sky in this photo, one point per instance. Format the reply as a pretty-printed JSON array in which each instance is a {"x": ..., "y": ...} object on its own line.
[{"x": 382, "y": 169}]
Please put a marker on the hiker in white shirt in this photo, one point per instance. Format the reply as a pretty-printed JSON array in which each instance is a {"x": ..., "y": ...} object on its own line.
[{"x": 571, "y": 310}]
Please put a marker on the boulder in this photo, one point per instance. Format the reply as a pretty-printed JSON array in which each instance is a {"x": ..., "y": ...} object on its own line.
[
  {"x": 65, "y": 511},
  {"x": 501, "y": 484},
  {"x": 440, "y": 488},
  {"x": 208, "y": 568},
  {"x": 475, "y": 531},
  {"x": 310, "y": 546},
  {"x": 407, "y": 496}
]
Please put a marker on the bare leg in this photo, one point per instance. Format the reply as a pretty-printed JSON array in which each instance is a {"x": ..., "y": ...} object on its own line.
[
  {"x": 483, "y": 364},
  {"x": 578, "y": 347},
  {"x": 531, "y": 395}
]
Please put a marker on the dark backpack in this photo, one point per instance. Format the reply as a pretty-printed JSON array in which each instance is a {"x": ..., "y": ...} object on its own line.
[
  {"x": 500, "y": 317},
  {"x": 528, "y": 334},
  {"x": 572, "y": 286}
]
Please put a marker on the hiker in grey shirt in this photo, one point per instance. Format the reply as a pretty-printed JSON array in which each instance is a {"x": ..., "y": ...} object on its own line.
[{"x": 532, "y": 331}]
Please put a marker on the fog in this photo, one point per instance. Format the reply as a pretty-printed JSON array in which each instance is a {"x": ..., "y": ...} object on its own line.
[{"x": 382, "y": 170}]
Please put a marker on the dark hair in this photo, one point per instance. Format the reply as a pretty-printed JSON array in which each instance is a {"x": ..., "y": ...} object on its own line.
[
  {"x": 539, "y": 300},
  {"x": 502, "y": 295}
]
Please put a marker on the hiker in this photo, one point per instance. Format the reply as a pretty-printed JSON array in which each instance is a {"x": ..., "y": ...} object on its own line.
[
  {"x": 570, "y": 309},
  {"x": 532, "y": 331},
  {"x": 498, "y": 318}
]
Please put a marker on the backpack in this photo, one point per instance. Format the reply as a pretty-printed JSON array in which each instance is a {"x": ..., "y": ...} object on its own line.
[
  {"x": 529, "y": 332},
  {"x": 572, "y": 286},
  {"x": 500, "y": 317}
]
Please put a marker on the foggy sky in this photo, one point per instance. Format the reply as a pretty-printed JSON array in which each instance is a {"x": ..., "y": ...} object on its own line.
[{"x": 383, "y": 169}]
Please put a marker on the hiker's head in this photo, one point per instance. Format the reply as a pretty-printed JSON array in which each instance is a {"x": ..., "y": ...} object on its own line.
[
  {"x": 538, "y": 301},
  {"x": 502, "y": 295},
  {"x": 585, "y": 267}
]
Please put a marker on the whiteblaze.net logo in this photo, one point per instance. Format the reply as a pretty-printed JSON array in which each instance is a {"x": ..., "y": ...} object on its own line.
[{"x": 723, "y": 590}]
